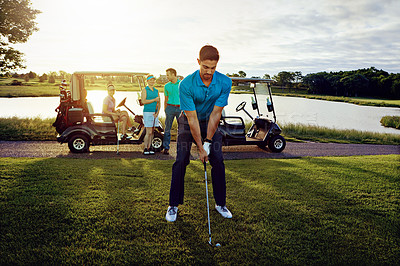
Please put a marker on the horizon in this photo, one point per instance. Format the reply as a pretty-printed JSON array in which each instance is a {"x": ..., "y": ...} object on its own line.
[
  {"x": 289, "y": 36},
  {"x": 161, "y": 74}
]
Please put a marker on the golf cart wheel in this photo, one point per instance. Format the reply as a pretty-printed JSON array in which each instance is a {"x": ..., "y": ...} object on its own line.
[
  {"x": 157, "y": 143},
  {"x": 277, "y": 143},
  {"x": 78, "y": 143}
]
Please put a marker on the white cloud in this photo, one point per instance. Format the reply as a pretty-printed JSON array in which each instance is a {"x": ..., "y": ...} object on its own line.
[{"x": 255, "y": 36}]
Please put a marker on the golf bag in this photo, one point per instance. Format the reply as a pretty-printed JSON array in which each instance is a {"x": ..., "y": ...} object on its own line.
[{"x": 61, "y": 122}]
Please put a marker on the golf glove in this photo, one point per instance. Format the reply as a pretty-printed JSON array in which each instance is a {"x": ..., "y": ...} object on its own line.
[{"x": 206, "y": 147}]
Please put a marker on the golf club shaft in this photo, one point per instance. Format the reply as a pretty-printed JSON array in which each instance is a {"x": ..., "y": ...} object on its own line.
[
  {"x": 117, "y": 137},
  {"x": 154, "y": 121},
  {"x": 208, "y": 206}
]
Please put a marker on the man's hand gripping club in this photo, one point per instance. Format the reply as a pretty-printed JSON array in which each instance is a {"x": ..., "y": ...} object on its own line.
[{"x": 204, "y": 149}]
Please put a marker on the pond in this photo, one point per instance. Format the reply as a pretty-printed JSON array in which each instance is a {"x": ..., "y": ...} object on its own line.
[{"x": 288, "y": 110}]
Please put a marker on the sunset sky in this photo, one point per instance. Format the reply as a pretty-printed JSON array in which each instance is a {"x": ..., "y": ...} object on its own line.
[{"x": 255, "y": 36}]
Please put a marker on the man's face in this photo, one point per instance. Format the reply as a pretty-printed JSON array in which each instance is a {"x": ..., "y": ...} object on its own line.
[
  {"x": 207, "y": 68},
  {"x": 170, "y": 76}
]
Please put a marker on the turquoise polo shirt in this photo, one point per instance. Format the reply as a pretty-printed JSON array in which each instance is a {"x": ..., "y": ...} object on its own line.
[
  {"x": 195, "y": 96},
  {"x": 172, "y": 91},
  {"x": 150, "y": 94}
]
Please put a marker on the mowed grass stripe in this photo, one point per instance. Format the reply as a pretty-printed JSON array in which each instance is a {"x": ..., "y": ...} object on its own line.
[{"x": 331, "y": 210}]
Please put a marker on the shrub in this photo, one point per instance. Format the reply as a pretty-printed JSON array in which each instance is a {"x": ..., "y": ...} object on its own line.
[
  {"x": 391, "y": 121},
  {"x": 16, "y": 83}
]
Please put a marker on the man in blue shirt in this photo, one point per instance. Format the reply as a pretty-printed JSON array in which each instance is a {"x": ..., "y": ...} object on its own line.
[{"x": 203, "y": 95}]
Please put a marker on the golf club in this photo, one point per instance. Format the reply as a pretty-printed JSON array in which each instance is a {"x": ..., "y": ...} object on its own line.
[
  {"x": 154, "y": 122},
  {"x": 208, "y": 208},
  {"x": 117, "y": 138}
]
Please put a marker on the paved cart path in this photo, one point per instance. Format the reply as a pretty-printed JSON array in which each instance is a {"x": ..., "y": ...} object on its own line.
[{"x": 292, "y": 150}]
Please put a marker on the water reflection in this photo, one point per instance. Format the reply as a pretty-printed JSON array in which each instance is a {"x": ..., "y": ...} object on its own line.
[{"x": 288, "y": 110}]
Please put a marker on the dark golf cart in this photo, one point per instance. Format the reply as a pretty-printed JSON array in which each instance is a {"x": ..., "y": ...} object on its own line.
[
  {"x": 78, "y": 126},
  {"x": 263, "y": 131}
]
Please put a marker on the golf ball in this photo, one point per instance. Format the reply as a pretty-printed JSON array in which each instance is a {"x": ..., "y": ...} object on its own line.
[{"x": 218, "y": 245}]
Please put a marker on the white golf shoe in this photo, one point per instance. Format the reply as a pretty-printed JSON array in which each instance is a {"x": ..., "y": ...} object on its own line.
[
  {"x": 172, "y": 213},
  {"x": 223, "y": 210}
]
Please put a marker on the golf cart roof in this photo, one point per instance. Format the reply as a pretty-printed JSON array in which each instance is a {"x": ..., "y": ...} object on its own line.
[
  {"x": 252, "y": 80},
  {"x": 78, "y": 81},
  {"x": 108, "y": 73}
]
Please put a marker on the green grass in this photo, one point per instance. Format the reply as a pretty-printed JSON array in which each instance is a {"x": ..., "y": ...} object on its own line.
[
  {"x": 308, "y": 211},
  {"x": 353, "y": 100},
  {"x": 297, "y": 132},
  {"x": 34, "y": 88},
  {"x": 27, "y": 129},
  {"x": 41, "y": 129},
  {"x": 391, "y": 121}
]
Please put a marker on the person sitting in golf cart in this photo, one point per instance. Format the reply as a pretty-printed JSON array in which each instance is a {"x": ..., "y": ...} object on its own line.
[
  {"x": 118, "y": 115},
  {"x": 151, "y": 101}
]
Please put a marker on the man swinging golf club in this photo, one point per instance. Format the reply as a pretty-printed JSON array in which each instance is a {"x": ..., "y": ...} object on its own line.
[{"x": 203, "y": 95}]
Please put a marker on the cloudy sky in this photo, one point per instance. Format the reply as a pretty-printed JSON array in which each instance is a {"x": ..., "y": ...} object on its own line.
[{"x": 255, "y": 36}]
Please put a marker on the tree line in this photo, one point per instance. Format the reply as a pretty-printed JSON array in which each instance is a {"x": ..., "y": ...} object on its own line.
[
  {"x": 51, "y": 76},
  {"x": 367, "y": 82}
]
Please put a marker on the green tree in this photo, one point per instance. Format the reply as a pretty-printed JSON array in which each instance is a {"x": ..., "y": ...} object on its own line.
[
  {"x": 354, "y": 84},
  {"x": 232, "y": 75},
  {"x": 266, "y": 76},
  {"x": 63, "y": 74},
  {"x": 32, "y": 75},
  {"x": 52, "y": 79},
  {"x": 284, "y": 78},
  {"x": 42, "y": 78},
  {"x": 242, "y": 74},
  {"x": 16, "y": 25}
]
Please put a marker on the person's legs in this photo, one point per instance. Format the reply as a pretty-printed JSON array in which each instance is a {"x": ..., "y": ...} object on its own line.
[
  {"x": 184, "y": 144},
  {"x": 218, "y": 170},
  {"x": 176, "y": 114},
  {"x": 169, "y": 119},
  {"x": 148, "y": 137},
  {"x": 123, "y": 124},
  {"x": 128, "y": 121}
]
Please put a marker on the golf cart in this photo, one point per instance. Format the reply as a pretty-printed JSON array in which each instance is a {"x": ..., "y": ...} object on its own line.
[
  {"x": 263, "y": 131},
  {"x": 80, "y": 127}
]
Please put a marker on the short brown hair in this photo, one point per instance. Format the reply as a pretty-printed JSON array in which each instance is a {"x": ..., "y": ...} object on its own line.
[
  {"x": 171, "y": 70},
  {"x": 208, "y": 52}
]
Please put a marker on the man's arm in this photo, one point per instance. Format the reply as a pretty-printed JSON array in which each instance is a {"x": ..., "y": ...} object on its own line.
[
  {"x": 165, "y": 102},
  {"x": 196, "y": 133},
  {"x": 214, "y": 121}
]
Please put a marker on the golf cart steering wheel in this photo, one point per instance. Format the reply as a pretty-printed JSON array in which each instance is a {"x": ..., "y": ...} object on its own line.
[
  {"x": 240, "y": 106},
  {"x": 122, "y": 103}
]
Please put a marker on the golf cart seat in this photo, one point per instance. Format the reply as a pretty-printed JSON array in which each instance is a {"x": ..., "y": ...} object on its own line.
[
  {"x": 233, "y": 124},
  {"x": 90, "y": 108}
]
